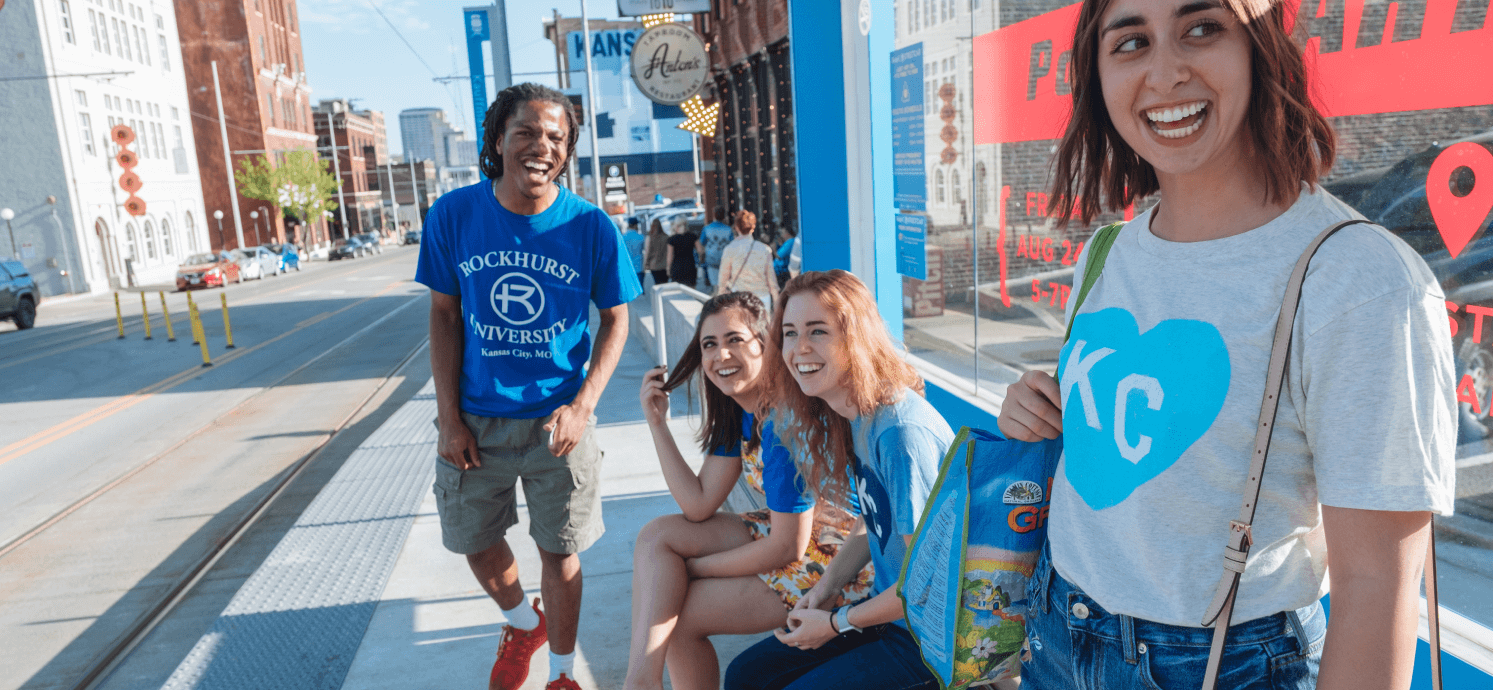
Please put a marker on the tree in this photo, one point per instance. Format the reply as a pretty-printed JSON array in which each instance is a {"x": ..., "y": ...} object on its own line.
[{"x": 300, "y": 187}]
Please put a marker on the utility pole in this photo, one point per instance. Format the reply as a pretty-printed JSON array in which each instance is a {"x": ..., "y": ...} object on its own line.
[
  {"x": 592, "y": 108},
  {"x": 562, "y": 77},
  {"x": 238, "y": 223},
  {"x": 414, "y": 190},
  {"x": 337, "y": 168},
  {"x": 393, "y": 194}
]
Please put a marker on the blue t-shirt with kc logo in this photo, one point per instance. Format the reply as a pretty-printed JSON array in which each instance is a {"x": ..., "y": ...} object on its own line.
[{"x": 526, "y": 284}]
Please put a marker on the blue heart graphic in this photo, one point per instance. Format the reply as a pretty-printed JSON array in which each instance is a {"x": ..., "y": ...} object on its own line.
[{"x": 1170, "y": 383}]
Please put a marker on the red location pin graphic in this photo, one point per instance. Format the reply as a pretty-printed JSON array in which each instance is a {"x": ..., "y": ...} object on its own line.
[{"x": 1459, "y": 218}]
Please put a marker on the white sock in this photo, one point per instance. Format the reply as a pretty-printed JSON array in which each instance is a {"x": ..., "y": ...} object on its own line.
[
  {"x": 562, "y": 663},
  {"x": 522, "y": 616}
]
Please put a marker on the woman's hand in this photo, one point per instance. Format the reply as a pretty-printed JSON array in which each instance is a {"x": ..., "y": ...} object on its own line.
[
  {"x": 1032, "y": 409},
  {"x": 807, "y": 629},
  {"x": 816, "y": 598},
  {"x": 654, "y": 398}
]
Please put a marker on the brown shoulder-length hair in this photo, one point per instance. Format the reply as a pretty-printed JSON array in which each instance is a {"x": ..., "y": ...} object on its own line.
[
  {"x": 1094, "y": 170},
  {"x": 723, "y": 415},
  {"x": 875, "y": 375}
]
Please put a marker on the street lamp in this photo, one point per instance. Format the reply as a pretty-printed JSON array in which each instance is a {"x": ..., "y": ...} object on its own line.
[
  {"x": 222, "y": 244},
  {"x": 8, "y": 214},
  {"x": 254, "y": 216}
]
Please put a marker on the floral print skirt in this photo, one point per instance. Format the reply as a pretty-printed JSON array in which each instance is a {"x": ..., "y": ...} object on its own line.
[{"x": 791, "y": 582}]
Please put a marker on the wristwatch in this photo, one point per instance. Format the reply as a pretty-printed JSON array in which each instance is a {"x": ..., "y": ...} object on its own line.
[{"x": 840, "y": 620}]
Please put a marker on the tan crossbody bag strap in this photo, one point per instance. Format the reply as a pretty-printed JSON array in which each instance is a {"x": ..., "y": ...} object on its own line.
[{"x": 1221, "y": 610}]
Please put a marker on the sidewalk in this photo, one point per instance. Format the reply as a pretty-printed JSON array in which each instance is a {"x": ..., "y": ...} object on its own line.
[{"x": 344, "y": 603}]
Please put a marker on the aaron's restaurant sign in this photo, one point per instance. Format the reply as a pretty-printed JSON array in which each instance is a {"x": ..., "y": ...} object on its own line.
[{"x": 669, "y": 63}]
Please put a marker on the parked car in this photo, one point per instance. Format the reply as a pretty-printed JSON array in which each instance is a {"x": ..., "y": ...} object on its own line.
[
  {"x": 290, "y": 257},
  {"x": 412, "y": 237},
  {"x": 18, "y": 294},
  {"x": 208, "y": 269},
  {"x": 374, "y": 244},
  {"x": 348, "y": 248},
  {"x": 257, "y": 262}
]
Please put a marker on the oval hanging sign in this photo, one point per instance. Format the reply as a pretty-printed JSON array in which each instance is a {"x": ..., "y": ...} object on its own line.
[{"x": 669, "y": 64}]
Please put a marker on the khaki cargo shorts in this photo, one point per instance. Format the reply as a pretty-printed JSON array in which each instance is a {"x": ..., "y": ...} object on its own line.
[{"x": 563, "y": 494}]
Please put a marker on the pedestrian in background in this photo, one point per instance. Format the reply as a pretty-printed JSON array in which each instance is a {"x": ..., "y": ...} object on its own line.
[
  {"x": 635, "y": 242},
  {"x": 785, "y": 252},
  {"x": 513, "y": 267},
  {"x": 746, "y": 264},
  {"x": 681, "y": 254},
  {"x": 713, "y": 240},
  {"x": 656, "y": 252}
]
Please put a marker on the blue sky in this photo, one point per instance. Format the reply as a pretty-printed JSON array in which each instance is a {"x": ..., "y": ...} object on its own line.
[{"x": 351, "y": 52}]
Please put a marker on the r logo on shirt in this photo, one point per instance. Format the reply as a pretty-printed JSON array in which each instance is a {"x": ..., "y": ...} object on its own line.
[
  {"x": 517, "y": 298},
  {"x": 875, "y": 505}
]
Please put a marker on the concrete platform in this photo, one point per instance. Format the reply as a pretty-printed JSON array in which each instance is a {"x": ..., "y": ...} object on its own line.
[{"x": 429, "y": 624}]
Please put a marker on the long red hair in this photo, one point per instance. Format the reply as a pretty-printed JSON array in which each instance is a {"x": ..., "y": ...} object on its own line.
[{"x": 875, "y": 375}]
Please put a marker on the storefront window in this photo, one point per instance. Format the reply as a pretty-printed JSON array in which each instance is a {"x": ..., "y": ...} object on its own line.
[{"x": 999, "y": 272}]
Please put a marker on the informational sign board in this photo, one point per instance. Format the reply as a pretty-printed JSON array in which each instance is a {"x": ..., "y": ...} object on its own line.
[
  {"x": 909, "y": 175},
  {"x": 475, "y": 20},
  {"x": 669, "y": 63},
  {"x": 912, "y": 243},
  {"x": 614, "y": 186},
  {"x": 638, "y": 8}
]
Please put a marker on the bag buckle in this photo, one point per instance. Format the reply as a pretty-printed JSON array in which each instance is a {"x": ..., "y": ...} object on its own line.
[{"x": 1246, "y": 534}]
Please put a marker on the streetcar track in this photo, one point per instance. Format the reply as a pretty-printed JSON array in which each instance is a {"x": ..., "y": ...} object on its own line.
[
  {"x": 100, "y": 669},
  {"x": 18, "y": 541},
  {"x": 66, "y": 428}
]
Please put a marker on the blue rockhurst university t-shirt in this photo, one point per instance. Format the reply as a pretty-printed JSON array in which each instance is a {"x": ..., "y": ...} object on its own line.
[{"x": 526, "y": 284}]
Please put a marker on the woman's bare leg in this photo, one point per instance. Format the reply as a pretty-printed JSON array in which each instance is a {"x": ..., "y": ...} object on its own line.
[
  {"x": 659, "y": 585},
  {"x": 718, "y": 606}
]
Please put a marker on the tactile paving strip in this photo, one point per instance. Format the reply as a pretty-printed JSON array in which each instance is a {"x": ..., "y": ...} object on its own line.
[{"x": 299, "y": 619}]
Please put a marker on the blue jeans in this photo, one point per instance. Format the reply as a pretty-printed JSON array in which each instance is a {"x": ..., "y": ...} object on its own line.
[
  {"x": 884, "y": 657},
  {"x": 1077, "y": 645}
]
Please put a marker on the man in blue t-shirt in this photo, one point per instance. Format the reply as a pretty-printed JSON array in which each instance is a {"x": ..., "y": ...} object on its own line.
[
  {"x": 513, "y": 265},
  {"x": 712, "y": 243}
]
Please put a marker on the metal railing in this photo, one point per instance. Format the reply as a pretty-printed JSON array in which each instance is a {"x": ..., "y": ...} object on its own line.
[{"x": 660, "y": 339}]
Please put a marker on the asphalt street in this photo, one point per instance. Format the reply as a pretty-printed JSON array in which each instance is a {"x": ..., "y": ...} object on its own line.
[{"x": 125, "y": 463}]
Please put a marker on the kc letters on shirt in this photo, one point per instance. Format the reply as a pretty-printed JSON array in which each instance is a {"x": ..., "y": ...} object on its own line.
[{"x": 526, "y": 284}]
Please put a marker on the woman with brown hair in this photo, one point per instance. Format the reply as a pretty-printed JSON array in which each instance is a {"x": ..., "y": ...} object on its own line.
[
  {"x": 1207, "y": 103},
  {"x": 703, "y": 572},
  {"x": 843, "y": 366},
  {"x": 746, "y": 264},
  {"x": 656, "y": 252}
]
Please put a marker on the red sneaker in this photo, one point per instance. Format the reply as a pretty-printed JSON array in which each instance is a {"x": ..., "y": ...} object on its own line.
[
  {"x": 562, "y": 683},
  {"x": 512, "y": 667}
]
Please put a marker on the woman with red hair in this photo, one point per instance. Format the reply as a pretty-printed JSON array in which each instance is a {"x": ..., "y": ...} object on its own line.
[{"x": 842, "y": 364}]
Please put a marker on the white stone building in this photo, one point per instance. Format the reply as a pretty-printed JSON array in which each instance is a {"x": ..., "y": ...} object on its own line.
[{"x": 98, "y": 63}]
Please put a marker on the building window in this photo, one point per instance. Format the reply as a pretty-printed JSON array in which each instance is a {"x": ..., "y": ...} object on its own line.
[
  {"x": 191, "y": 229},
  {"x": 118, "y": 46},
  {"x": 938, "y": 185},
  {"x": 161, "y": 21},
  {"x": 82, "y": 98},
  {"x": 129, "y": 241},
  {"x": 160, "y": 139},
  {"x": 264, "y": 56},
  {"x": 958, "y": 187},
  {"x": 142, "y": 45},
  {"x": 67, "y": 23},
  {"x": 93, "y": 20},
  {"x": 175, "y": 114},
  {"x": 269, "y": 105},
  {"x": 150, "y": 240},
  {"x": 166, "y": 237},
  {"x": 165, "y": 52},
  {"x": 85, "y": 126}
]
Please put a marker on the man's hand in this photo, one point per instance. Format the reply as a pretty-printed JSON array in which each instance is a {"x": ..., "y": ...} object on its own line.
[
  {"x": 566, "y": 425},
  {"x": 1031, "y": 411},
  {"x": 457, "y": 445},
  {"x": 808, "y": 629}
]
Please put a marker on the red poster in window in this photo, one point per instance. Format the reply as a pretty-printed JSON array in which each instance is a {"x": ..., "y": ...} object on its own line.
[{"x": 1375, "y": 62}]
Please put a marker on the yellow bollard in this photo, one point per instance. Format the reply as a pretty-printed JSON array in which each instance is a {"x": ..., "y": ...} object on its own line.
[
  {"x": 227, "y": 327},
  {"x": 201, "y": 337},
  {"x": 170, "y": 331},
  {"x": 145, "y": 315},
  {"x": 118, "y": 316},
  {"x": 191, "y": 310}
]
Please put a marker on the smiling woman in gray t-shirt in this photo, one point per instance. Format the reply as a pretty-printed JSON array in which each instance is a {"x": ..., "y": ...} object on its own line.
[{"x": 1162, "y": 377}]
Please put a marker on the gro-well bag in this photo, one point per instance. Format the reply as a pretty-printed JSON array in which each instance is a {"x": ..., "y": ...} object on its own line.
[{"x": 963, "y": 583}]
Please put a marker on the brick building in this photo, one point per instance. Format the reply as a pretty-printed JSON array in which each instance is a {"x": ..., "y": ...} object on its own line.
[
  {"x": 750, "y": 161},
  {"x": 361, "y": 146},
  {"x": 266, "y": 100}
]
